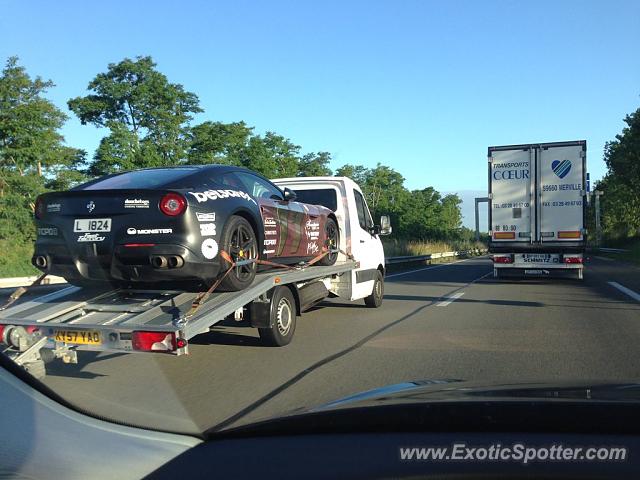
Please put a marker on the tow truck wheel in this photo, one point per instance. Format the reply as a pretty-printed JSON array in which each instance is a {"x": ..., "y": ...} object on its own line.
[
  {"x": 282, "y": 321},
  {"x": 377, "y": 294}
]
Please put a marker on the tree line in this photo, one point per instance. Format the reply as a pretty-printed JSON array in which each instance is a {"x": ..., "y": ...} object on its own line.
[
  {"x": 620, "y": 202},
  {"x": 149, "y": 121}
]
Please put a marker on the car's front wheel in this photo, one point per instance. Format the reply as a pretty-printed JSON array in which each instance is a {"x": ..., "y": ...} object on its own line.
[{"x": 238, "y": 239}]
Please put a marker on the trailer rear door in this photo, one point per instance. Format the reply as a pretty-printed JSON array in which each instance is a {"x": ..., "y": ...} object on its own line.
[
  {"x": 511, "y": 212},
  {"x": 561, "y": 191}
]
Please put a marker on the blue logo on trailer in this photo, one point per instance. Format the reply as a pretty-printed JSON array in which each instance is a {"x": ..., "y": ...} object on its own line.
[{"x": 561, "y": 168}]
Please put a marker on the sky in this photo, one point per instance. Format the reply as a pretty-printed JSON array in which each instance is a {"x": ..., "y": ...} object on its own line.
[{"x": 422, "y": 86}]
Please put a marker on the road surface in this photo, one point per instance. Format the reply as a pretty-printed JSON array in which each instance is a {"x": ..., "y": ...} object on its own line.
[{"x": 451, "y": 321}]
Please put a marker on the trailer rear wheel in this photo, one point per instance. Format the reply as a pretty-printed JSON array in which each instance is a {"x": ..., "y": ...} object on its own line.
[
  {"x": 283, "y": 319},
  {"x": 377, "y": 294}
]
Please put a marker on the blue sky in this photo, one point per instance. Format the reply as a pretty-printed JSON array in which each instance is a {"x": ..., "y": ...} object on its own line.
[{"x": 422, "y": 86}]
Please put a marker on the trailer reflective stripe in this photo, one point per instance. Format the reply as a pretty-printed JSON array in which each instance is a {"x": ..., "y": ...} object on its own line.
[
  {"x": 569, "y": 234},
  {"x": 504, "y": 235}
]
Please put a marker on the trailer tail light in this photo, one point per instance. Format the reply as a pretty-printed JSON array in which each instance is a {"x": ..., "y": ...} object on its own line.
[
  {"x": 572, "y": 259},
  {"x": 154, "y": 341},
  {"x": 569, "y": 234},
  {"x": 173, "y": 204},
  {"x": 502, "y": 259},
  {"x": 504, "y": 235},
  {"x": 137, "y": 245}
]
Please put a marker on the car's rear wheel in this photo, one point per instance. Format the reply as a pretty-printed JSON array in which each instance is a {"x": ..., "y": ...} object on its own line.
[
  {"x": 239, "y": 241},
  {"x": 332, "y": 242}
]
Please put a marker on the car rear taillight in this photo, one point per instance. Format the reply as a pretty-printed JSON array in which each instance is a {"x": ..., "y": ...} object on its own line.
[
  {"x": 154, "y": 341},
  {"x": 502, "y": 259},
  {"x": 38, "y": 211},
  {"x": 2, "y": 327},
  {"x": 572, "y": 259},
  {"x": 173, "y": 204}
]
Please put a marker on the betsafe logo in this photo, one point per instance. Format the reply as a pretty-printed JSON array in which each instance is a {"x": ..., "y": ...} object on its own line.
[{"x": 561, "y": 168}]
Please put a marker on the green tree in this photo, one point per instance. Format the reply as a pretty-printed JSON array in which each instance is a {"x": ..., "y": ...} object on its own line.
[
  {"x": 273, "y": 156},
  {"x": 217, "y": 142},
  {"x": 621, "y": 185},
  {"x": 314, "y": 165},
  {"x": 357, "y": 173},
  {"x": 451, "y": 216},
  {"x": 146, "y": 114},
  {"x": 29, "y": 139}
]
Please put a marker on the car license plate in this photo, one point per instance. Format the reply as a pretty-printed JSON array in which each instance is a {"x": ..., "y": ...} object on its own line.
[
  {"x": 539, "y": 258},
  {"x": 92, "y": 225},
  {"x": 80, "y": 337}
]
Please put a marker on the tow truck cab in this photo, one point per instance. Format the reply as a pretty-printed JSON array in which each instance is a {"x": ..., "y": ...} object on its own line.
[{"x": 359, "y": 235}]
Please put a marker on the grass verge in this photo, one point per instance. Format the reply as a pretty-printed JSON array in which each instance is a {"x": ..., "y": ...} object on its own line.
[{"x": 15, "y": 260}]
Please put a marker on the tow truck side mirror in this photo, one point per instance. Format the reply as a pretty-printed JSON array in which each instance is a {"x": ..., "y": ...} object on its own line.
[{"x": 385, "y": 225}]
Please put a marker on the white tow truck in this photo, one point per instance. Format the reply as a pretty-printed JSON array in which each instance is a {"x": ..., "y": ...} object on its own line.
[{"x": 72, "y": 319}]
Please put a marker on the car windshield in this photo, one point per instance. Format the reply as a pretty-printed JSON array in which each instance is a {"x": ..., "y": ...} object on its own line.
[
  {"x": 166, "y": 260},
  {"x": 152, "y": 178}
]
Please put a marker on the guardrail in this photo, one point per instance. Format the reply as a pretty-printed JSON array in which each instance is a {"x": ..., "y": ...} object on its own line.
[
  {"x": 431, "y": 256},
  {"x": 26, "y": 281}
]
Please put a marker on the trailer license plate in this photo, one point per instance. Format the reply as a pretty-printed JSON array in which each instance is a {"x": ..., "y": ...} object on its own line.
[
  {"x": 80, "y": 337},
  {"x": 540, "y": 258},
  {"x": 92, "y": 225}
]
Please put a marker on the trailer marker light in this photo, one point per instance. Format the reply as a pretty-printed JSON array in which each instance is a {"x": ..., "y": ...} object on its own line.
[
  {"x": 277, "y": 280},
  {"x": 502, "y": 259},
  {"x": 181, "y": 342},
  {"x": 572, "y": 259},
  {"x": 153, "y": 341},
  {"x": 504, "y": 235}
]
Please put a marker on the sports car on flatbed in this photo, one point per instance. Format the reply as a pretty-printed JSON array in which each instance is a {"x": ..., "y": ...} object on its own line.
[{"x": 170, "y": 225}]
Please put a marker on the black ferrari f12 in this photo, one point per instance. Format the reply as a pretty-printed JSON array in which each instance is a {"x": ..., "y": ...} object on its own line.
[{"x": 170, "y": 224}]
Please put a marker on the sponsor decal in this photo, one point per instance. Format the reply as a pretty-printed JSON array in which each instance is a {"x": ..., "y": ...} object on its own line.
[
  {"x": 207, "y": 229},
  {"x": 268, "y": 251},
  {"x": 561, "y": 168},
  {"x": 312, "y": 230},
  {"x": 271, "y": 241},
  {"x": 206, "y": 217},
  {"x": 90, "y": 237},
  {"x": 48, "y": 231},
  {"x": 209, "y": 248},
  {"x": 270, "y": 232},
  {"x": 148, "y": 231},
  {"x": 136, "y": 203},
  {"x": 312, "y": 248},
  {"x": 269, "y": 222},
  {"x": 91, "y": 206},
  {"x": 53, "y": 207},
  {"x": 221, "y": 194}
]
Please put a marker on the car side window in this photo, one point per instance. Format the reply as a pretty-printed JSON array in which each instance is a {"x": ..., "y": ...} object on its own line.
[
  {"x": 259, "y": 187},
  {"x": 364, "y": 217}
]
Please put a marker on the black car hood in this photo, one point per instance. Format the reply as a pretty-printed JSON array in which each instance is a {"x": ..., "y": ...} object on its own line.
[
  {"x": 455, "y": 405},
  {"x": 461, "y": 391}
]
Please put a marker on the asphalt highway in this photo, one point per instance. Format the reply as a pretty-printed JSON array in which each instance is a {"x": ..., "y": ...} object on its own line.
[{"x": 450, "y": 321}]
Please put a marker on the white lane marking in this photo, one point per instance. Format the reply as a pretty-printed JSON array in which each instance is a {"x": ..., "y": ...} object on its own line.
[
  {"x": 450, "y": 298},
  {"x": 606, "y": 259},
  {"x": 625, "y": 290},
  {"x": 433, "y": 267}
]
